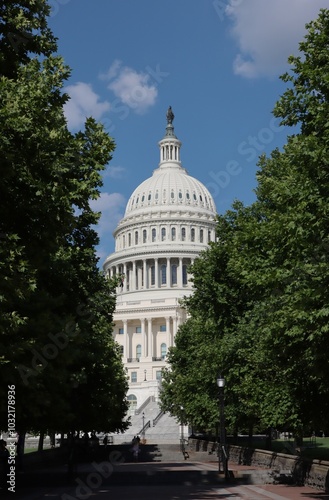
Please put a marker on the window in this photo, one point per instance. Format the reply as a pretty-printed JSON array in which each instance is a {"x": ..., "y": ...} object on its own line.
[
  {"x": 133, "y": 377},
  {"x": 129, "y": 239},
  {"x": 172, "y": 195},
  {"x": 209, "y": 236},
  {"x": 144, "y": 235},
  {"x": 187, "y": 195},
  {"x": 124, "y": 241},
  {"x": 163, "y": 328},
  {"x": 143, "y": 198},
  {"x": 174, "y": 274},
  {"x": 201, "y": 235},
  {"x": 152, "y": 275},
  {"x": 163, "y": 234},
  {"x": 149, "y": 197},
  {"x": 120, "y": 331},
  {"x": 180, "y": 195},
  {"x": 132, "y": 400},
  {"x": 173, "y": 234},
  {"x": 183, "y": 233},
  {"x": 184, "y": 274},
  {"x": 136, "y": 237},
  {"x": 163, "y": 274},
  {"x": 192, "y": 234},
  {"x": 138, "y": 351},
  {"x": 163, "y": 351},
  {"x": 121, "y": 349},
  {"x": 154, "y": 232},
  {"x": 138, "y": 329},
  {"x": 158, "y": 375}
]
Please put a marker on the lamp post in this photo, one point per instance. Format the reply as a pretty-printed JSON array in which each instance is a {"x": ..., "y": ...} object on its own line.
[
  {"x": 144, "y": 375},
  {"x": 222, "y": 452},
  {"x": 143, "y": 430}
]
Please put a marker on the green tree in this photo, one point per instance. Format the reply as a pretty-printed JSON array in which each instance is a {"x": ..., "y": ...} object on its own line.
[
  {"x": 263, "y": 286},
  {"x": 55, "y": 306}
]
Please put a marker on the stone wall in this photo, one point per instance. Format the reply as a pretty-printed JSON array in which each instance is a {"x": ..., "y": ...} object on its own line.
[{"x": 313, "y": 473}]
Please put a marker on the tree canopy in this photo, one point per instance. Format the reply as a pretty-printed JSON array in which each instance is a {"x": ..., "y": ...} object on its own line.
[
  {"x": 55, "y": 306},
  {"x": 259, "y": 310}
]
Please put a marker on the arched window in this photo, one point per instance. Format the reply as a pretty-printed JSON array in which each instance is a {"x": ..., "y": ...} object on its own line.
[
  {"x": 163, "y": 274},
  {"x": 209, "y": 236},
  {"x": 144, "y": 235},
  {"x": 183, "y": 233},
  {"x": 163, "y": 233},
  {"x": 138, "y": 351},
  {"x": 174, "y": 274},
  {"x": 184, "y": 274},
  {"x": 173, "y": 234},
  {"x": 154, "y": 232},
  {"x": 124, "y": 241},
  {"x": 201, "y": 235},
  {"x": 136, "y": 237},
  {"x": 129, "y": 239},
  {"x": 163, "y": 351},
  {"x": 192, "y": 234},
  {"x": 132, "y": 400}
]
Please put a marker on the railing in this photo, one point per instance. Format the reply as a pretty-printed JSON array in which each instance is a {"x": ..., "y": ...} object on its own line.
[
  {"x": 157, "y": 359},
  {"x": 146, "y": 402},
  {"x": 157, "y": 418},
  {"x": 143, "y": 429},
  {"x": 132, "y": 360}
]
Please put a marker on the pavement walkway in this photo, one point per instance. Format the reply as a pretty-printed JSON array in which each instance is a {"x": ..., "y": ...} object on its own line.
[{"x": 116, "y": 479}]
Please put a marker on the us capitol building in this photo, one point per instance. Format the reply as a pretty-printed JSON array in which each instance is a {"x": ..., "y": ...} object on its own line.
[{"x": 169, "y": 220}]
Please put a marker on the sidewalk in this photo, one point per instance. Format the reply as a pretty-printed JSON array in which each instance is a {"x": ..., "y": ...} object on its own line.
[{"x": 149, "y": 481}]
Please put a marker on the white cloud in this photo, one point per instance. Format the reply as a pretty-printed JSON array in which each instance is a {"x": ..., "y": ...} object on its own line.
[
  {"x": 132, "y": 88},
  {"x": 267, "y": 32},
  {"x": 112, "y": 206},
  {"x": 114, "y": 172},
  {"x": 84, "y": 102}
]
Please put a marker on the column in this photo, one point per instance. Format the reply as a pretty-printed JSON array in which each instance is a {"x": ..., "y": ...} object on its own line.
[
  {"x": 126, "y": 337},
  {"x": 133, "y": 278},
  {"x": 156, "y": 271},
  {"x": 144, "y": 344},
  {"x": 180, "y": 273},
  {"x": 145, "y": 277},
  {"x": 125, "y": 277},
  {"x": 174, "y": 328},
  {"x": 168, "y": 334},
  {"x": 149, "y": 338}
]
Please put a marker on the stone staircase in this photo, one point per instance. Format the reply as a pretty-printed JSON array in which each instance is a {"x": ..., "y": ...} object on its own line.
[{"x": 159, "y": 427}]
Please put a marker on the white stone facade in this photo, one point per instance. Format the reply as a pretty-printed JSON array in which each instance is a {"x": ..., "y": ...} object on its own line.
[{"x": 169, "y": 220}]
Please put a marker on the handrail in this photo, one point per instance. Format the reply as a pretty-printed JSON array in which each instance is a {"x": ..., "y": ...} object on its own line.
[
  {"x": 157, "y": 418},
  {"x": 146, "y": 426},
  {"x": 146, "y": 402}
]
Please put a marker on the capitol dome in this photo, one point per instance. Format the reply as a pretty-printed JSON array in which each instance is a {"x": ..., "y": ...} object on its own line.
[
  {"x": 170, "y": 184},
  {"x": 170, "y": 190}
]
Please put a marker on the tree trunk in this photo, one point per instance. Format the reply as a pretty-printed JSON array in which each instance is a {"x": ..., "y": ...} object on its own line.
[{"x": 41, "y": 438}]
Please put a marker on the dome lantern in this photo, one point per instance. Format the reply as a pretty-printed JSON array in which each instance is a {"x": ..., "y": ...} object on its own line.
[{"x": 169, "y": 145}]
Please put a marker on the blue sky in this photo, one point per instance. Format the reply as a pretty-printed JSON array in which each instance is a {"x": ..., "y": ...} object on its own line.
[{"x": 216, "y": 62}]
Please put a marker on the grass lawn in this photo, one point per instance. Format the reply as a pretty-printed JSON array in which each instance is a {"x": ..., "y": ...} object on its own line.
[{"x": 317, "y": 448}]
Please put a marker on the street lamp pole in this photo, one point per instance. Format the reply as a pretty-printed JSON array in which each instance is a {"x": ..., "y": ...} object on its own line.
[
  {"x": 143, "y": 430},
  {"x": 222, "y": 452}
]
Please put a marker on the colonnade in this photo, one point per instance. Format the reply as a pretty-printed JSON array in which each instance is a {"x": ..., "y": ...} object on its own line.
[
  {"x": 146, "y": 335},
  {"x": 143, "y": 274}
]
